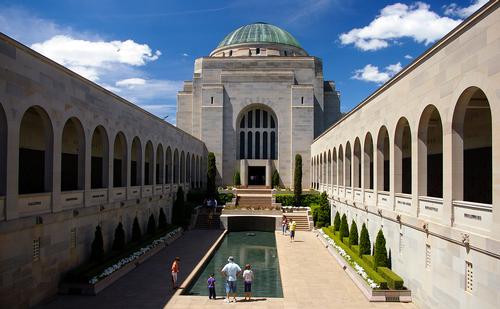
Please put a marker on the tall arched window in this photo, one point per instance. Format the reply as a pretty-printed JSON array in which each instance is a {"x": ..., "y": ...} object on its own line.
[
  {"x": 99, "y": 162},
  {"x": 334, "y": 167},
  {"x": 430, "y": 153},
  {"x": 348, "y": 165},
  {"x": 176, "y": 167},
  {"x": 72, "y": 156},
  {"x": 120, "y": 161},
  {"x": 136, "y": 163},
  {"x": 257, "y": 135},
  {"x": 148, "y": 164},
  {"x": 383, "y": 160},
  {"x": 168, "y": 165},
  {"x": 357, "y": 164},
  {"x": 159, "y": 165},
  {"x": 402, "y": 157},
  {"x": 368, "y": 162},
  {"x": 341, "y": 166}
]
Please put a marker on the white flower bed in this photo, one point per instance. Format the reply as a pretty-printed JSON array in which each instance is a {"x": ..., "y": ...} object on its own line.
[
  {"x": 360, "y": 270},
  {"x": 134, "y": 256},
  {"x": 296, "y": 207}
]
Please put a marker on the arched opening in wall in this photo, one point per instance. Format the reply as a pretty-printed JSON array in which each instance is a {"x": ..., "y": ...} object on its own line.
[
  {"x": 182, "y": 175},
  {"x": 383, "y": 160},
  {"x": 168, "y": 165},
  {"x": 341, "y": 166},
  {"x": 324, "y": 169},
  {"x": 430, "y": 153},
  {"x": 402, "y": 157},
  {"x": 35, "y": 152},
  {"x": 472, "y": 150},
  {"x": 148, "y": 164},
  {"x": 249, "y": 146},
  {"x": 136, "y": 163},
  {"x": 357, "y": 164},
  {"x": 72, "y": 156},
  {"x": 257, "y": 137},
  {"x": 188, "y": 168},
  {"x": 320, "y": 169},
  {"x": 120, "y": 161},
  {"x": 329, "y": 167},
  {"x": 334, "y": 167},
  {"x": 202, "y": 172},
  {"x": 348, "y": 165},
  {"x": 99, "y": 162},
  {"x": 3, "y": 151},
  {"x": 176, "y": 167},
  {"x": 368, "y": 162},
  {"x": 160, "y": 174},
  {"x": 193, "y": 171}
]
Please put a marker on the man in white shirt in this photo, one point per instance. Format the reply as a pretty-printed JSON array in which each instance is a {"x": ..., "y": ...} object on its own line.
[{"x": 231, "y": 271}]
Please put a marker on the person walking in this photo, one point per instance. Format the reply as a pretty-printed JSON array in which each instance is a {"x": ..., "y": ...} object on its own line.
[
  {"x": 175, "y": 271},
  {"x": 211, "y": 287},
  {"x": 284, "y": 224},
  {"x": 248, "y": 277},
  {"x": 293, "y": 226},
  {"x": 231, "y": 271}
]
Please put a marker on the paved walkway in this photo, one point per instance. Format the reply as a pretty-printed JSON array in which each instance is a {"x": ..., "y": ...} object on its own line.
[
  {"x": 147, "y": 286},
  {"x": 311, "y": 278}
]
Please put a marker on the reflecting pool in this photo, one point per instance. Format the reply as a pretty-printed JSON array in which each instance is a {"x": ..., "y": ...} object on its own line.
[{"x": 255, "y": 248}]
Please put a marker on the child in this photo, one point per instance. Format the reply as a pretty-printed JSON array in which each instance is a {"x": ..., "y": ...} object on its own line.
[
  {"x": 248, "y": 277},
  {"x": 211, "y": 286}
]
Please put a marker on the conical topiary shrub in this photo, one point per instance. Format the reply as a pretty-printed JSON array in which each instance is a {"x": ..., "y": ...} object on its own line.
[
  {"x": 344, "y": 227},
  {"x": 353, "y": 234},
  {"x": 364, "y": 241},
  {"x": 162, "y": 220},
  {"x": 380, "y": 256},
  {"x": 237, "y": 178},
  {"x": 178, "y": 216},
  {"x": 297, "y": 180},
  {"x": 275, "y": 179},
  {"x": 97, "y": 252},
  {"x": 136, "y": 231},
  {"x": 151, "y": 225},
  {"x": 119, "y": 241},
  {"x": 336, "y": 222},
  {"x": 389, "y": 261}
]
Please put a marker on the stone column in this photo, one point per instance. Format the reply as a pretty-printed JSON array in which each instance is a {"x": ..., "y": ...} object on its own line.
[
  {"x": 55, "y": 186},
  {"x": 269, "y": 168},
  {"x": 12, "y": 170},
  {"x": 88, "y": 162},
  {"x": 243, "y": 172}
]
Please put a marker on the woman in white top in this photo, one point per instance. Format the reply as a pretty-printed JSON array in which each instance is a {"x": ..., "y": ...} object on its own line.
[{"x": 248, "y": 277}]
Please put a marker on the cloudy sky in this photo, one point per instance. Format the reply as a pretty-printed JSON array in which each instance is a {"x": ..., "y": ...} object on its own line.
[{"x": 143, "y": 50}]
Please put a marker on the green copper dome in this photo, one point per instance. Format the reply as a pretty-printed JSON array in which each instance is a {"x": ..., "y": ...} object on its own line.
[{"x": 259, "y": 33}]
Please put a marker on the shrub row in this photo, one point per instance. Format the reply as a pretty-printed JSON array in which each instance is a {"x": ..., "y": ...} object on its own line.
[
  {"x": 394, "y": 281},
  {"x": 287, "y": 199}
]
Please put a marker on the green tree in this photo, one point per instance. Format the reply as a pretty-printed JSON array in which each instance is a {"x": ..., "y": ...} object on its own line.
[
  {"x": 380, "y": 257},
  {"x": 389, "y": 261},
  {"x": 323, "y": 216},
  {"x": 336, "y": 222},
  {"x": 151, "y": 225},
  {"x": 119, "y": 241},
  {"x": 275, "y": 180},
  {"x": 297, "y": 183},
  {"x": 344, "y": 227},
  {"x": 364, "y": 241},
  {"x": 211, "y": 173},
  {"x": 162, "y": 220},
  {"x": 97, "y": 252},
  {"x": 136, "y": 231},
  {"x": 178, "y": 215},
  {"x": 353, "y": 234},
  {"x": 236, "y": 178}
]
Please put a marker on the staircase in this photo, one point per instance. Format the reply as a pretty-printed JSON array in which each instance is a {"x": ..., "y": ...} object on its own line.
[
  {"x": 254, "y": 198},
  {"x": 202, "y": 221},
  {"x": 301, "y": 218}
]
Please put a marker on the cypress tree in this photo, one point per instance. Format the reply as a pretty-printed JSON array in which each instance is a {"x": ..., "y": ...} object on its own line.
[
  {"x": 364, "y": 241},
  {"x": 236, "y": 178},
  {"x": 178, "y": 216},
  {"x": 119, "y": 241},
  {"x": 323, "y": 216},
  {"x": 211, "y": 173},
  {"x": 151, "y": 225},
  {"x": 136, "y": 231},
  {"x": 97, "y": 252},
  {"x": 389, "y": 261},
  {"x": 162, "y": 220},
  {"x": 344, "y": 228},
  {"x": 297, "y": 183},
  {"x": 353, "y": 234},
  {"x": 380, "y": 257},
  {"x": 275, "y": 180},
  {"x": 336, "y": 222}
]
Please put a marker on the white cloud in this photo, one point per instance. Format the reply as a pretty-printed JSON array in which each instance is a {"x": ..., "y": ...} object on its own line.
[
  {"x": 454, "y": 10},
  {"x": 185, "y": 54},
  {"x": 140, "y": 90},
  {"x": 399, "y": 20},
  {"x": 130, "y": 82},
  {"x": 371, "y": 73},
  {"x": 409, "y": 57}
]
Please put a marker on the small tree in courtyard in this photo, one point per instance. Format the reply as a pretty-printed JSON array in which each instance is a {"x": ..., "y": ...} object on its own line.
[
  {"x": 297, "y": 183},
  {"x": 236, "y": 178},
  {"x": 364, "y": 241},
  {"x": 380, "y": 258},
  {"x": 119, "y": 241},
  {"x": 336, "y": 222},
  {"x": 323, "y": 216},
  {"x": 275, "y": 180},
  {"x": 162, "y": 220},
  {"x": 178, "y": 215},
  {"x": 211, "y": 173},
  {"x": 353, "y": 234},
  {"x": 136, "y": 231},
  {"x": 151, "y": 225},
  {"x": 97, "y": 252},
  {"x": 344, "y": 227}
]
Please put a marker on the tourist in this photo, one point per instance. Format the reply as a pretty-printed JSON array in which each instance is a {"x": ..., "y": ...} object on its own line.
[
  {"x": 284, "y": 224},
  {"x": 211, "y": 287},
  {"x": 175, "y": 272},
  {"x": 248, "y": 277},
  {"x": 231, "y": 271},
  {"x": 293, "y": 226}
]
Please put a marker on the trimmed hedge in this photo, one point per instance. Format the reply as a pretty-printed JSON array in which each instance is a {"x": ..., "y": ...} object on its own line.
[
  {"x": 345, "y": 240},
  {"x": 288, "y": 199},
  {"x": 369, "y": 260},
  {"x": 377, "y": 278},
  {"x": 336, "y": 222},
  {"x": 355, "y": 248},
  {"x": 394, "y": 281}
]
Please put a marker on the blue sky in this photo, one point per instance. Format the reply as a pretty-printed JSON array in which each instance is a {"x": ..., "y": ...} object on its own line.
[{"x": 143, "y": 50}]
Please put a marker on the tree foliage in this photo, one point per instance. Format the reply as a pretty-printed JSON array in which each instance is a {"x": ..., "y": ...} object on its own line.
[
  {"x": 380, "y": 255},
  {"x": 136, "y": 231},
  {"x": 97, "y": 252},
  {"x": 297, "y": 183},
  {"x": 364, "y": 241},
  {"x": 353, "y": 234},
  {"x": 162, "y": 220},
  {"x": 151, "y": 225},
  {"x": 119, "y": 241},
  {"x": 178, "y": 215},
  {"x": 211, "y": 173},
  {"x": 344, "y": 227},
  {"x": 323, "y": 211},
  {"x": 237, "y": 178},
  {"x": 336, "y": 222},
  {"x": 275, "y": 180}
]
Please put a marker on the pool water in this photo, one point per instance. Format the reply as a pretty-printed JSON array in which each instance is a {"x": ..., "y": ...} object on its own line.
[{"x": 255, "y": 248}]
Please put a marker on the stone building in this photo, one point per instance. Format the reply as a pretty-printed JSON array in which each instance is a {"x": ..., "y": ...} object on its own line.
[
  {"x": 256, "y": 101},
  {"x": 420, "y": 159},
  {"x": 73, "y": 156}
]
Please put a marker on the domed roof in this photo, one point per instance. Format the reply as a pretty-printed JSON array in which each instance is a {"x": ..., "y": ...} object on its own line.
[{"x": 259, "y": 33}]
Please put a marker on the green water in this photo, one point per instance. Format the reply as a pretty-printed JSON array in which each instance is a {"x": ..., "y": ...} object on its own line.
[{"x": 259, "y": 251}]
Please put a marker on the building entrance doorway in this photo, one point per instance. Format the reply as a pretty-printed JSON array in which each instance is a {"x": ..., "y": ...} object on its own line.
[{"x": 256, "y": 175}]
